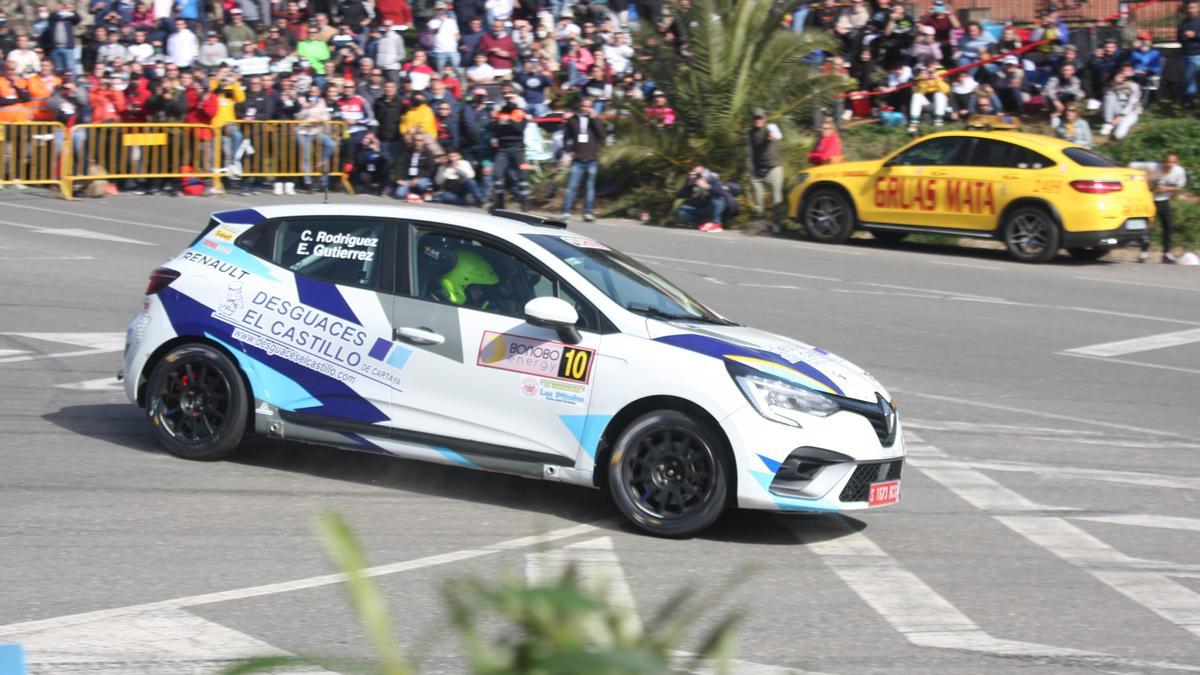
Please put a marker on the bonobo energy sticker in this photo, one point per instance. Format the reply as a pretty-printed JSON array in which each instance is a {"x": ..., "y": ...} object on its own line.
[{"x": 535, "y": 357}]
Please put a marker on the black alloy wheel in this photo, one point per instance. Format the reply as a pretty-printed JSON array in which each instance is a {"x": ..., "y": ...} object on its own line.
[
  {"x": 1031, "y": 234},
  {"x": 669, "y": 474},
  {"x": 197, "y": 403},
  {"x": 828, "y": 216}
]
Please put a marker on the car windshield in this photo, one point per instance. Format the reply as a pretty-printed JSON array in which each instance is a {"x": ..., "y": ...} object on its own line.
[
  {"x": 625, "y": 281},
  {"x": 1085, "y": 157}
]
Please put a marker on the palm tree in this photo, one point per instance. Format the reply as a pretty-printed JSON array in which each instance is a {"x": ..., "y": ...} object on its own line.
[{"x": 730, "y": 56}]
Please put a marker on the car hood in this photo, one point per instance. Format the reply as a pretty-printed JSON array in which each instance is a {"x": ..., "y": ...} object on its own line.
[{"x": 783, "y": 357}]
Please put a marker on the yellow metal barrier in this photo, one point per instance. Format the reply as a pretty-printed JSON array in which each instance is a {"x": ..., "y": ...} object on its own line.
[
  {"x": 278, "y": 149},
  {"x": 31, "y": 152},
  {"x": 142, "y": 151}
]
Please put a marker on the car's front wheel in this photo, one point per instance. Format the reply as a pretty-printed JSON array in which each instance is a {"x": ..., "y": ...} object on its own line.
[
  {"x": 1031, "y": 234},
  {"x": 669, "y": 474},
  {"x": 197, "y": 403},
  {"x": 828, "y": 216}
]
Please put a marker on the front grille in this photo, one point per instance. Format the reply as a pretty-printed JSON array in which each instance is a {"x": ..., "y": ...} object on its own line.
[
  {"x": 879, "y": 414},
  {"x": 859, "y": 486}
]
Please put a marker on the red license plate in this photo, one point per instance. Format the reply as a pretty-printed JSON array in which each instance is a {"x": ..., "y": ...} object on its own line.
[{"x": 884, "y": 493}]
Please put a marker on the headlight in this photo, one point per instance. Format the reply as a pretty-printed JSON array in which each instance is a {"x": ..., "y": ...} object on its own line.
[
  {"x": 800, "y": 178},
  {"x": 783, "y": 402}
]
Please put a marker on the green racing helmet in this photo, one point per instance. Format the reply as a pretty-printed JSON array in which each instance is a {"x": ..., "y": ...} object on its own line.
[{"x": 470, "y": 269}]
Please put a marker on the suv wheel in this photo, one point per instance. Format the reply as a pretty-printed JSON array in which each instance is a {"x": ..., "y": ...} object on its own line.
[
  {"x": 1031, "y": 234},
  {"x": 197, "y": 403},
  {"x": 828, "y": 216},
  {"x": 669, "y": 474}
]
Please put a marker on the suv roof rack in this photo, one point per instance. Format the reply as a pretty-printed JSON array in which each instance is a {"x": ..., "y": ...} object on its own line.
[{"x": 528, "y": 218}]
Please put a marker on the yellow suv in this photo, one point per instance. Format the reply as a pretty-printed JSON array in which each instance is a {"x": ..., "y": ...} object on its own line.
[{"x": 1035, "y": 193}]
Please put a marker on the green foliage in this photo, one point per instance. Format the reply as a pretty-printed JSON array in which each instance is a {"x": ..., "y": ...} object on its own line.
[
  {"x": 563, "y": 626},
  {"x": 1151, "y": 139},
  {"x": 738, "y": 57},
  {"x": 872, "y": 141}
]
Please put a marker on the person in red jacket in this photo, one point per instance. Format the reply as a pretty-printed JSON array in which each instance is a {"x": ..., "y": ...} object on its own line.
[
  {"x": 202, "y": 106},
  {"x": 829, "y": 146},
  {"x": 500, "y": 48},
  {"x": 396, "y": 11}
]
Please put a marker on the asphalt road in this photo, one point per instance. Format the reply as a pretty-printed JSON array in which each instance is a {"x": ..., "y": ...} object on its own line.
[{"x": 1050, "y": 519}]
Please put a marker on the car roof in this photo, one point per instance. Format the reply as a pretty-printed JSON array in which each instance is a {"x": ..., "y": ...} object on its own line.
[
  {"x": 474, "y": 220},
  {"x": 1032, "y": 141}
]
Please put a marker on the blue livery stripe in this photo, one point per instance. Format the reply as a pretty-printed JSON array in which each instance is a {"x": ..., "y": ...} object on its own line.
[
  {"x": 12, "y": 659},
  {"x": 240, "y": 216},
  {"x": 587, "y": 429},
  {"x": 325, "y": 297},
  {"x": 719, "y": 349},
  {"x": 379, "y": 350}
]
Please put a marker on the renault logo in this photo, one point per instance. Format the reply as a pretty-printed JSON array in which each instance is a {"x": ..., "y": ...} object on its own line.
[{"x": 889, "y": 415}]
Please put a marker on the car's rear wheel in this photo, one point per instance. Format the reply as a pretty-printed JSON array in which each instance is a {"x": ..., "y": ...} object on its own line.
[
  {"x": 669, "y": 474},
  {"x": 828, "y": 216},
  {"x": 197, "y": 403},
  {"x": 1089, "y": 252},
  {"x": 1031, "y": 234},
  {"x": 889, "y": 236}
]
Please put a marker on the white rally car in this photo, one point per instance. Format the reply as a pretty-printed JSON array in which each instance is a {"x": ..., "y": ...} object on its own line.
[{"x": 499, "y": 342}]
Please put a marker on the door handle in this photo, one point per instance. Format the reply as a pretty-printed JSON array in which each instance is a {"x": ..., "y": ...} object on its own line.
[
  {"x": 939, "y": 173},
  {"x": 1010, "y": 176},
  {"x": 419, "y": 336}
]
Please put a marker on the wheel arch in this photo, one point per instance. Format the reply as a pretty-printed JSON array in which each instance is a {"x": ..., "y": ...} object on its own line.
[
  {"x": 636, "y": 409},
  {"x": 825, "y": 183},
  {"x": 1038, "y": 202},
  {"x": 179, "y": 341}
]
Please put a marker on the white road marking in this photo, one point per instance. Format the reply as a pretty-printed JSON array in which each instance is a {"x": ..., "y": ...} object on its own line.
[
  {"x": 165, "y": 640},
  {"x": 1153, "y": 590},
  {"x": 1058, "y": 472},
  {"x": 1128, "y": 362},
  {"x": 1139, "y": 520},
  {"x": 1141, "y": 344},
  {"x": 12, "y": 352},
  {"x": 97, "y": 343},
  {"x": 1139, "y": 283},
  {"x": 969, "y": 483},
  {"x": 1143, "y": 581},
  {"x": 599, "y": 570},
  {"x": 293, "y": 585},
  {"x": 743, "y": 268},
  {"x": 949, "y": 294},
  {"x": 47, "y": 257},
  {"x": 88, "y": 234},
  {"x": 927, "y": 619},
  {"x": 101, "y": 384},
  {"x": 1037, "y": 413},
  {"x": 122, "y": 221}
]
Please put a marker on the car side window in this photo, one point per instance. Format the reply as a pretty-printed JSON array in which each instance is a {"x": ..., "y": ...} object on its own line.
[
  {"x": 347, "y": 251},
  {"x": 943, "y": 151},
  {"x": 991, "y": 153},
  {"x": 466, "y": 272},
  {"x": 1024, "y": 158}
]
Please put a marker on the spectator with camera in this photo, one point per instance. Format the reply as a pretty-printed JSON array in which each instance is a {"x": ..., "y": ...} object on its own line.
[{"x": 703, "y": 204}]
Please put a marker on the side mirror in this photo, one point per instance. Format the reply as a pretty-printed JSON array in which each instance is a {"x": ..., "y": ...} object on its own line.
[{"x": 555, "y": 313}]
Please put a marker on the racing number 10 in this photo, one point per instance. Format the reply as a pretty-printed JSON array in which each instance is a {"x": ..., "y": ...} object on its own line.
[{"x": 575, "y": 363}]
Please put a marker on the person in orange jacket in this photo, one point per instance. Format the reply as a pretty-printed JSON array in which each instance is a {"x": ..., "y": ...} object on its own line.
[{"x": 14, "y": 95}]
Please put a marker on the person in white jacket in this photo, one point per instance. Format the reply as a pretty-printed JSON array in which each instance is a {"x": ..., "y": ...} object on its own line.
[
  {"x": 390, "y": 52},
  {"x": 183, "y": 47},
  {"x": 1122, "y": 103},
  {"x": 455, "y": 180}
]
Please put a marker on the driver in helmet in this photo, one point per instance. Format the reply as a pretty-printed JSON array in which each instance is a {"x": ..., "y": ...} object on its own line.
[{"x": 468, "y": 283}]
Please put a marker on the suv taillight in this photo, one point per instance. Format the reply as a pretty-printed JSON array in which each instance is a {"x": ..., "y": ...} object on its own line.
[
  {"x": 1097, "y": 187},
  {"x": 160, "y": 278}
]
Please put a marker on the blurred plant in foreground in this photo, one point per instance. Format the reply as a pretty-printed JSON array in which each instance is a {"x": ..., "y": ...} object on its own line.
[{"x": 560, "y": 626}]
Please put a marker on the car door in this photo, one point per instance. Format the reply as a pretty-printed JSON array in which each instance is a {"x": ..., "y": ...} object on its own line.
[
  {"x": 996, "y": 173},
  {"x": 906, "y": 189},
  {"x": 477, "y": 378},
  {"x": 306, "y": 322}
]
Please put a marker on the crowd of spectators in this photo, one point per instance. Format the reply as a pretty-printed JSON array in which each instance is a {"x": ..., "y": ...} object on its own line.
[
  {"x": 937, "y": 68},
  {"x": 439, "y": 101}
]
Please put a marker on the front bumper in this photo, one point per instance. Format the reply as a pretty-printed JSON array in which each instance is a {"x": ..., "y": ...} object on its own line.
[
  {"x": 1121, "y": 236},
  {"x": 829, "y": 465}
]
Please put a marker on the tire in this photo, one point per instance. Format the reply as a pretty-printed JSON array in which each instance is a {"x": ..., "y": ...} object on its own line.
[
  {"x": 1031, "y": 234},
  {"x": 1089, "y": 252},
  {"x": 889, "y": 236},
  {"x": 828, "y": 216},
  {"x": 197, "y": 403},
  {"x": 669, "y": 474}
]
